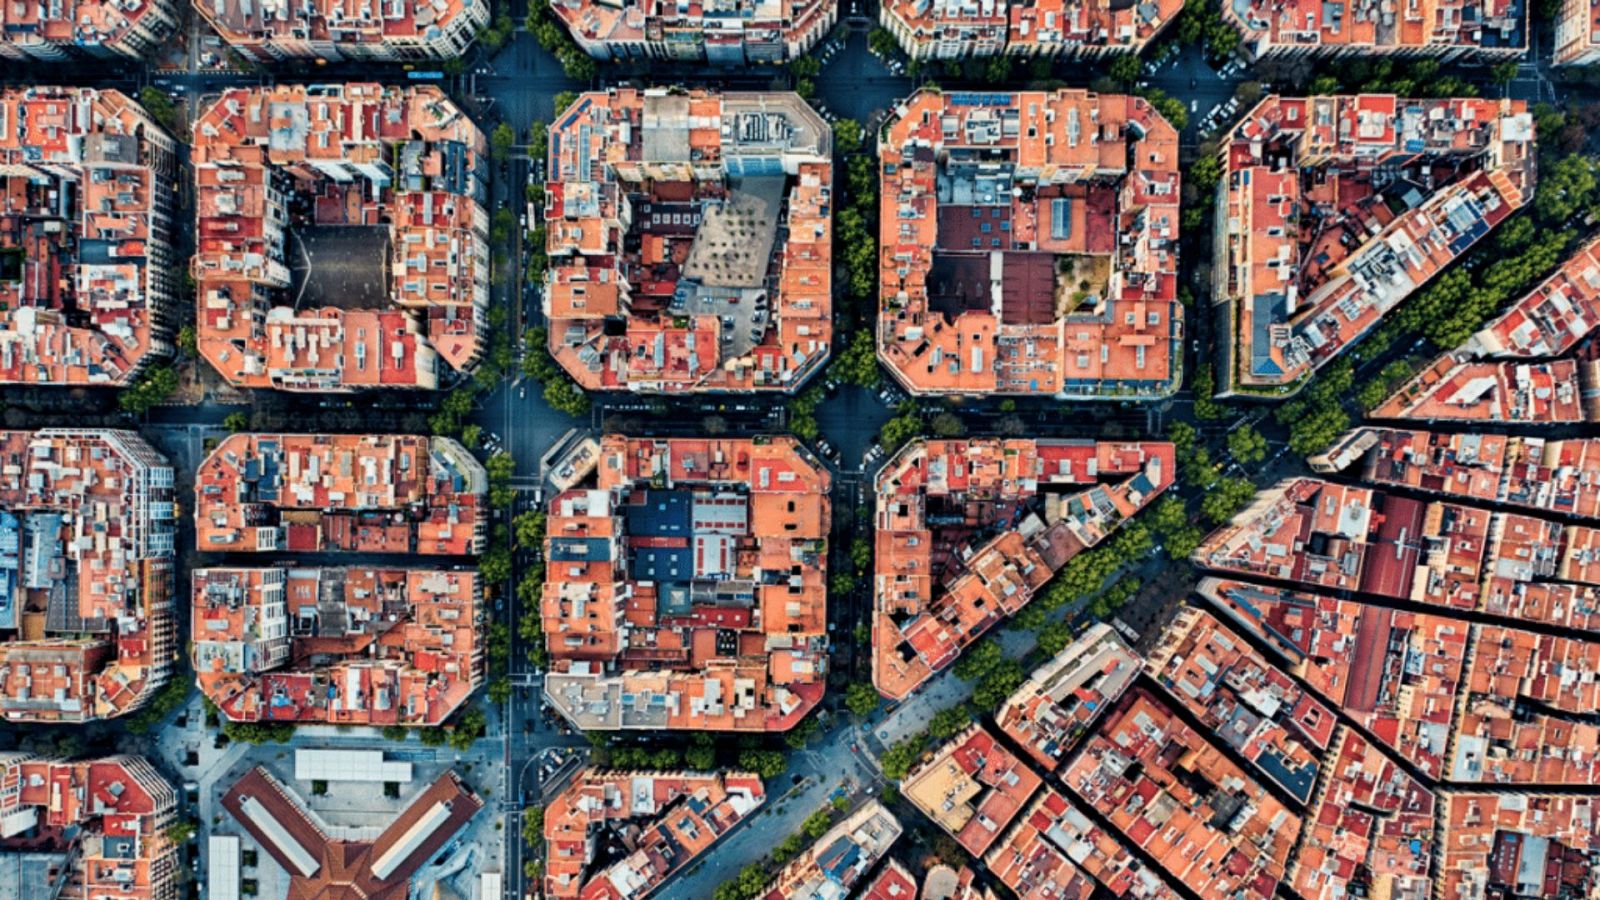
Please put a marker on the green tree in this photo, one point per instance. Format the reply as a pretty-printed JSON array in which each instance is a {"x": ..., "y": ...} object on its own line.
[
  {"x": 979, "y": 660},
  {"x": 1246, "y": 445},
  {"x": 900, "y": 429},
  {"x": 528, "y": 527},
  {"x": 236, "y": 422},
  {"x": 1568, "y": 187},
  {"x": 1124, "y": 68},
  {"x": 898, "y": 760},
  {"x": 501, "y": 141},
  {"x": 948, "y": 722},
  {"x": 533, "y": 826},
  {"x": 700, "y": 758},
  {"x": 153, "y": 386},
  {"x": 998, "y": 684},
  {"x": 1227, "y": 498},
  {"x": 495, "y": 565},
  {"x": 947, "y": 424},
  {"x": 861, "y": 699},
  {"x": 858, "y": 362},
  {"x": 847, "y": 135},
  {"x": 160, "y": 107},
  {"x": 470, "y": 726},
  {"x": 1054, "y": 637},
  {"x": 766, "y": 763},
  {"x": 817, "y": 824}
]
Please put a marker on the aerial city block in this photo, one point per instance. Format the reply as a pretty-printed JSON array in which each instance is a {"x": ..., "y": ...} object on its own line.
[{"x": 799, "y": 450}]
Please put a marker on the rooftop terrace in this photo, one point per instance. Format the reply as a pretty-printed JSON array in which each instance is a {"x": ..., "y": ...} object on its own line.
[
  {"x": 286, "y": 172},
  {"x": 686, "y": 586},
  {"x": 689, "y": 237},
  {"x": 1028, "y": 245}
]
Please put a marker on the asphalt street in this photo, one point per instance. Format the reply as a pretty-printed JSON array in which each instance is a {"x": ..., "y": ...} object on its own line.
[{"x": 518, "y": 85}]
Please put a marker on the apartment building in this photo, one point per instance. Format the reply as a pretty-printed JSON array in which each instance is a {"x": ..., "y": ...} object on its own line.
[
  {"x": 90, "y": 828},
  {"x": 659, "y": 822},
  {"x": 960, "y": 29},
  {"x": 1444, "y": 29},
  {"x": 1057, "y": 852},
  {"x": 102, "y": 29},
  {"x": 1522, "y": 716},
  {"x": 720, "y": 32},
  {"x": 686, "y": 585},
  {"x": 314, "y": 493},
  {"x": 1247, "y": 702},
  {"x": 1577, "y": 34},
  {"x": 689, "y": 235},
  {"x": 1394, "y": 672},
  {"x": 895, "y": 882},
  {"x": 346, "y": 30},
  {"x": 1518, "y": 843},
  {"x": 1524, "y": 367},
  {"x": 1065, "y": 695},
  {"x": 1370, "y": 818},
  {"x": 972, "y": 788},
  {"x": 1331, "y": 210},
  {"x": 1206, "y": 822},
  {"x": 1029, "y": 246},
  {"x": 87, "y": 539},
  {"x": 88, "y": 269},
  {"x": 968, "y": 530},
  {"x": 839, "y": 860},
  {"x": 1447, "y": 555},
  {"x": 385, "y": 186},
  {"x": 1527, "y": 471},
  {"x": 390, "y": 646}
]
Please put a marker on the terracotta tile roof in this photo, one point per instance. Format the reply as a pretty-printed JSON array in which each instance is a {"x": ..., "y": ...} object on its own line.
[
  {"x": 1483, "y": 836},
  {"x": 1395, "y": 673},
  {"x": 951, "y": 29},
  {"x": 1067, "y": 693},
  {"x": 839, "y": 859},
  {"x": 972, "y": 787},
  {"x": 895, "y": 882},
  {"x": 1057, "y": 852},
  {"x": 1521, "y": 718},
  {"x": 686, "y": 585},
  {"x": 346, "y": 29},
  {"x": 1169, "y": 790},
  {"x": 108, "y": 817},
  {"x": 1312, "y": 253},
  {"x": 86, "y": 237},
  {"x": 1370, "y": 820},
  {"x": 1450, "y": 28},
  {"x": 1048, "y": 269},
  {"x": 93, "y": 510},
  {"x": 665, "y": 820},
  {"x": 728, "y": 198},
  {"x": 103, "y": 28},
  {"x": 725, "y": 32},
  {"x": 278, "y": 169},
  {"x": 371, "y": 493},
  {"x": 344, "y": 646},
  {"x": 1246, "y": 701},
  {"x": 938, "y": 586},
  {"x": 319, "y": 865}
]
